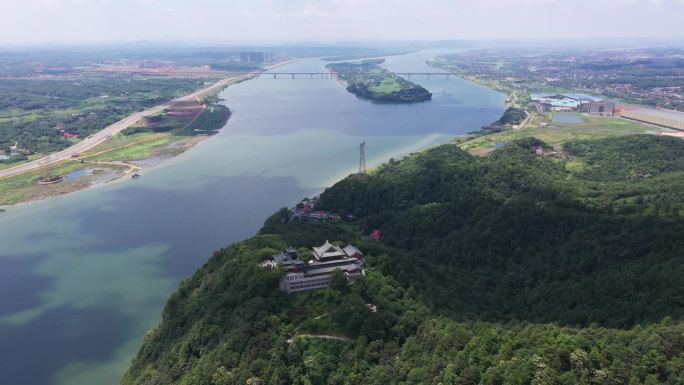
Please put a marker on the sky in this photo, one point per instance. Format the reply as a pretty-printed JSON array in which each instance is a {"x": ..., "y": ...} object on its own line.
[{"x": 96, "y": 21}]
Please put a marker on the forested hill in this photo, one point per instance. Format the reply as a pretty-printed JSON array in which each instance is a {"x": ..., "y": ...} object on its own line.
[{"x": 511, "y": 269}]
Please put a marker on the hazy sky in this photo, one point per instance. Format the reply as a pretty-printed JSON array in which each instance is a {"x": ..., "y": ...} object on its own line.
[{"x": 33, "y": 21}]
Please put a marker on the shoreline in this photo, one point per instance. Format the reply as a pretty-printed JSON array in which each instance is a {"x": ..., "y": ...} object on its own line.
[
  {"x": 163, "y": 160},
  {"x": 114, "y": 167},
  {"x": 106, "y": 133},
  {"x": 37, "y": 209},
  {"x": 496, "y": 85}
]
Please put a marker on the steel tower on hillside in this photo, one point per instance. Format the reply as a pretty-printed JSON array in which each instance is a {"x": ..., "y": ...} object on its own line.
[{"x": 362, "y": 158}]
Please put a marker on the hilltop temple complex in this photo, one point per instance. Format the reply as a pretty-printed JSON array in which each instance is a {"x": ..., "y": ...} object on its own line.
[{"x": 317, "y": 273}]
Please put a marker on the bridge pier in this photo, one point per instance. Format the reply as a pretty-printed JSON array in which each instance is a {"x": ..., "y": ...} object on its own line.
[{"x": 275, "y": 76}]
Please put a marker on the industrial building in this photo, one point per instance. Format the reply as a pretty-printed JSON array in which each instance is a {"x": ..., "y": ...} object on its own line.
[
  {"x": 564, "y": 101},
  {"x": 601, "y": 108},
  {"x": 664, "y": 118}
]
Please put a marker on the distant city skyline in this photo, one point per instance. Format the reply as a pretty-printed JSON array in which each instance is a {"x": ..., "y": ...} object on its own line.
[{"x": 99, "y": 21}]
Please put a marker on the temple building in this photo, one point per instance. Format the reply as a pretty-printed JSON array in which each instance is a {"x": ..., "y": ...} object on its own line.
[
  {"x": 289, "y": 259},
  {"x": 317, "y": 273}
]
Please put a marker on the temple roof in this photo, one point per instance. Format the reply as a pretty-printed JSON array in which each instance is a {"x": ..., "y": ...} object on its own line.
[
  {"x": 351, "y": 250},
  {"x": 327, "y": 250}
]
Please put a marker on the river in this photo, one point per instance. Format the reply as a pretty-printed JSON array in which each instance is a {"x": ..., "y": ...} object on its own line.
[{"x": 84, "y": 276}]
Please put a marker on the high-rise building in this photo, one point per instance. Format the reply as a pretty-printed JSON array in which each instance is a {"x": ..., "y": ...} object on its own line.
[{"x": 256, "y": 57}]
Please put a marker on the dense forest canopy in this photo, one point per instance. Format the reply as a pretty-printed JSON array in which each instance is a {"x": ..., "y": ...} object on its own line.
[
  {"x": 510, "y": 269},
  {"x": 516, "y": 236}
]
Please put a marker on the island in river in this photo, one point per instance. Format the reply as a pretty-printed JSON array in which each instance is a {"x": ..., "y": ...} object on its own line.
[{"x": 367, "y": 80}]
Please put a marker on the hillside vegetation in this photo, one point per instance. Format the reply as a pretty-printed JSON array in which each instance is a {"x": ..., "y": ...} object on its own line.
[{"x": 509, "y": 269}]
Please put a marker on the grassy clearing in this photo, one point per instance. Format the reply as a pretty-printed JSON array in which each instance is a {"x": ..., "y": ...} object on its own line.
[
  {"x": 369, "y": 81},
  {"x": 386, "y": 86},
  {"x": 120, "y": 148},
  {"x": 142, "y": 145},
  {"x": 8, "y": 165},
  {"x": 558, "y": 133},
  {"x": 135, "y": 150},
  {"x": 31, "y": 110},
  {"x": 160, "y": 136},
  {"x": 25, "y": 187}
]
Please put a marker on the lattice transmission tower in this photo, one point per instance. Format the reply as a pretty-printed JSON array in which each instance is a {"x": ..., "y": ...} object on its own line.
[{"x": 362, "y": 158}]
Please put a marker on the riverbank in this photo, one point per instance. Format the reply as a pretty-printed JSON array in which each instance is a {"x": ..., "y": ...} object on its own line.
[
  {"x": 536, "y": 124},
  {"x": 141, "y": 141},
  {"x": 557, "y": 133},
  {"x": 515, "y": 98},
  {"x": 111, "y": 255},
  {"x": 125, "y": 154}
]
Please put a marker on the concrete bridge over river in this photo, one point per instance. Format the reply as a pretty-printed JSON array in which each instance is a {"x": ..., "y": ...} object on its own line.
[{"x": 331, "y": 75}]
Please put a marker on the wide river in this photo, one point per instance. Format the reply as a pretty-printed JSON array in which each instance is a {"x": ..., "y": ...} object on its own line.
[{"x": 84, "y": 276}]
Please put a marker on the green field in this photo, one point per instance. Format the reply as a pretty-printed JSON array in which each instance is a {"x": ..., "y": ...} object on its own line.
[
  {"x": 120, "y": 148},
  {"x": 368, "y": 80},
  {"x": 137, "y": 149},
  {"x": 558, "y": 133},
  {"x": 35, "y": 113},
  {"x": 25, "y": 187},
  {"x": 181, "y": 133},
  {"x": 377, "y": 81}
]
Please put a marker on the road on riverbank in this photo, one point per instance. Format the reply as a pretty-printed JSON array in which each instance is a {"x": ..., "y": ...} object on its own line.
[{"x": 104, "y": 134}]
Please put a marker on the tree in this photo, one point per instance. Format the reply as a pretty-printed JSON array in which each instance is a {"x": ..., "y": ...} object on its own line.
[{"x": 338, "y": 281}]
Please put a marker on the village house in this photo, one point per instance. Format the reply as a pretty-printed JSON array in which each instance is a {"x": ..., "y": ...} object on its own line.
[
  {"x": 540, "y": 151},
  {"x": 317, "y": 274},
  {"x": 320, "y": 215}
]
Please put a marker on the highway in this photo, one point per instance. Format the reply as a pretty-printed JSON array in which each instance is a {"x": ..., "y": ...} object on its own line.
[{"x": 104, "y": 134}]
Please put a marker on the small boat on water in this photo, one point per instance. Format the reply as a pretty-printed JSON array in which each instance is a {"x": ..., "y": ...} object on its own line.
[{"x": 135, "y": 176}]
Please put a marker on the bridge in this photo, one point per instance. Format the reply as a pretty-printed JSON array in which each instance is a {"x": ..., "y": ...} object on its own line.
[{"x": 331, "y": 75}]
